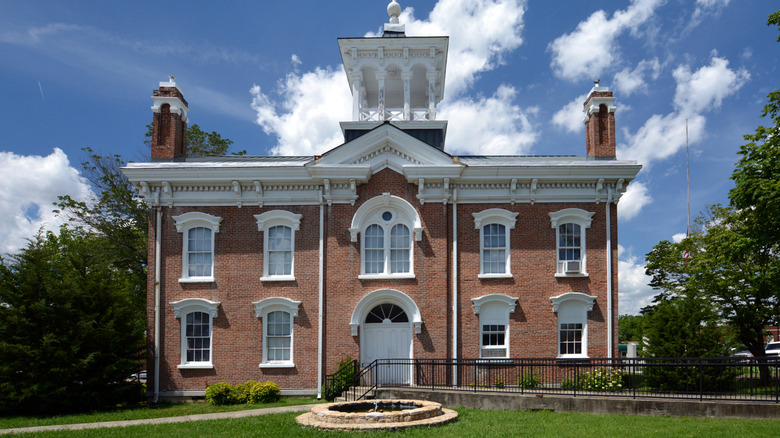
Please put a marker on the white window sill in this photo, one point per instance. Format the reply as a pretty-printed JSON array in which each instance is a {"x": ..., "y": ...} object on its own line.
[
  {"x": 571, "y": 274},
  {"x": 495, "y": 275},
  {"x": 573, "y": 356},
  {"x": 278, "y": 278},
  {"x": 196, "y": 366},
  {"x": 277, "y": 365},
  {"x": 494, "y": 361},
  {"x": 384, "y": 276},
  {"x": 196, "y": 280}
]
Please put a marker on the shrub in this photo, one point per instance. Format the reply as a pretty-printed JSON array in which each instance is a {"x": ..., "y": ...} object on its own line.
[
  {"x": 250, "y": 392},
  {"x": 221, "y": 394},
  {"x": 344, "y": 378},
  {"x": 529, "y": 381},
  {"x": 243, "y": 391},
  {"x": 498, "y": 382},
  {"x": 265, "y": 392},
  {"x": 568, "y": 384},
  {"x": 602, "y": 379}
]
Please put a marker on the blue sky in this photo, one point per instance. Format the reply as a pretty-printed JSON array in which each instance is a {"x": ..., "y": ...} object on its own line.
[{"x": 78, "y": 73}]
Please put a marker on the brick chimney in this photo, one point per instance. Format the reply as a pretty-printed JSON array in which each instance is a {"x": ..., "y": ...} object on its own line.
[
  {"x": 169, "y": 126},
  {"x": 600, "y": 123}
]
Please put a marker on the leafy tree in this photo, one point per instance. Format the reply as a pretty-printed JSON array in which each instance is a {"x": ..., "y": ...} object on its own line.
[
  {"x": 682, "y": 326},
  {"x": 71, "y": 332},
  {"x": 630, "y": 328},
  {"x": 734, "y": 263},
  {"x": 730, "y": 273},
  {"x": 201, "y": 143},
  {"x": 117, "y": 215}
]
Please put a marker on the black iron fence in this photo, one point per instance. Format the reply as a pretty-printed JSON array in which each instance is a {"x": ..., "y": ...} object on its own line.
[{"x": 687, "y": 378}]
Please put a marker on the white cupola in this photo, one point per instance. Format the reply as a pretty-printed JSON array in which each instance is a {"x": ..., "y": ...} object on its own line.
[{"x": 395, "y": 77}]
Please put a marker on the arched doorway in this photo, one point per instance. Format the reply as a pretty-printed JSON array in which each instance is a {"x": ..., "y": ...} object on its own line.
[
  {"x": 387, "y": 319},
  {"x": 387, "y": 334}
]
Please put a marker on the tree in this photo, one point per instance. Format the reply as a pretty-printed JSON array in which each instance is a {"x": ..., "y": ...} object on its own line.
[
  {"x": 71, "y": 332},
  {"x": 630, "y": 328},
  {"x": 728, "y": 267},
  {"x": 734, "y": 263},
  {"x": 116, "y": 215},
  {"x": 201, "y": 143},
  {"x": 682, "y": 326}
]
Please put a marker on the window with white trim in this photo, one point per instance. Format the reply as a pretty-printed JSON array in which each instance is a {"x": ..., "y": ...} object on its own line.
[
  {"x": 278, "y": 227},
  {"x": 198, "y": 231},
  {"x": 493, "y": 311},
  {"x": 277, "y": 314},
  {"x": 494, "y": 225},
  {"x": 570, "y": 225},
  {"x": 386, "y": 225},
  {"x": 196, "y": 317},
  {"x": 572, "y": 309}
]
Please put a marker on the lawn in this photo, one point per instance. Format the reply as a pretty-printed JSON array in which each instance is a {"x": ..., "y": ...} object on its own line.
[
  {"x": 471, "y": 423},
  {"x": 158, "y": 411}
]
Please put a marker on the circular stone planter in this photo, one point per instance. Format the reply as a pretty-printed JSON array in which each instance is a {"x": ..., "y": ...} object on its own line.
[{"x": 377, "y": 414}]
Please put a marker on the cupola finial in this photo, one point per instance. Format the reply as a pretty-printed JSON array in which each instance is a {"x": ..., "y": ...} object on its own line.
[{"x": 394, "y": 11}]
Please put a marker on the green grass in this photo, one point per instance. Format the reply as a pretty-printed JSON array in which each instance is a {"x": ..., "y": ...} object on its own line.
[
  {"x": 471, "y": 423},
  {"x": 158, "y": 411}
]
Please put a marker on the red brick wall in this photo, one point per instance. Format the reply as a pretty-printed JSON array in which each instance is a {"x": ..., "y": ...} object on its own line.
[{"x": 237, "y": 333}]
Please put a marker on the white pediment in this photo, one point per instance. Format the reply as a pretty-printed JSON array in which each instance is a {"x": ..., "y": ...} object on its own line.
[{"x": 383, "y": 147}]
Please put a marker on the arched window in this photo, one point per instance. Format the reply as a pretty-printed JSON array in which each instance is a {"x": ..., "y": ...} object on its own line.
[
  {"x": 198, "y": 231},
  {"x": 572, "y": 309},
  {"x": 570, "y": 225},
  {"x": 494, "y": 225},
  {"x": 493, "y": 311},
  {"x": 196, "y": 316},
  {"x": 386, "y": 225},
  {"x": 278, "y": 227},
  {"x": 386, "y": 312},
  {"x": 277, "y": 314}
]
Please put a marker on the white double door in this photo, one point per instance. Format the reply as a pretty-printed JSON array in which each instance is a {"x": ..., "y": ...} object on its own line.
[{"x": 387, "y": 340}]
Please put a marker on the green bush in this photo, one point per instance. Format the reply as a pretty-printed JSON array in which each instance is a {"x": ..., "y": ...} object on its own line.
[
  {"x": 602, "y": 379},
  {"x": 344, "y": 378},
  {"x": 498, "y": 382},
  {"x": 265, "y": 392},
  {"x": 221, "y": 394},
  {"x": 529, "y": 381},
  {"x": 250, "y": 392},
  {"x": 568, "y": 384},
  {"x": 243, "y": 391}
]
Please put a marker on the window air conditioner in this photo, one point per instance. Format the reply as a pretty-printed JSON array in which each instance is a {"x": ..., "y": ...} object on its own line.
[{"x": 572, "y": 267}]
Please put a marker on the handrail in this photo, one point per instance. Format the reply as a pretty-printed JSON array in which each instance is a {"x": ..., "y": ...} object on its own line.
[{"x": 723, "y": 378}]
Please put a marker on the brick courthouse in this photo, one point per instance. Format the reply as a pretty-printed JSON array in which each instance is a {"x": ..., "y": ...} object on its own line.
[{"x": 276, "y": 268}]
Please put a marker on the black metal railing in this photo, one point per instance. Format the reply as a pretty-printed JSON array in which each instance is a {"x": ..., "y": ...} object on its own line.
[{"x": 688, "y": 378}]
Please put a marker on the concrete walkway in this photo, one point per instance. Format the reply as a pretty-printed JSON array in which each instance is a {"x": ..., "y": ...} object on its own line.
[{"x": 164, "y": 420}]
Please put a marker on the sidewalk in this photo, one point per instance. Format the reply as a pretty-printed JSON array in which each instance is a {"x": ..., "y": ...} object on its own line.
[{"x": 164, "y": 420}]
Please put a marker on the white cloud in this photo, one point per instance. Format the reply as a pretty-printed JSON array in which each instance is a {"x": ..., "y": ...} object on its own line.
[
  {"x": 701, "y": 91},
  {"x": 480, "y": 32},
  {"x": 570, "y": 117},
  {"x": 704, "y": 7},
  {"x": 677, "y": 238},
  {"x": 634, "y": 291},
  {"x": 304, "y": 109},
  {"x": 706, "y": 87},
  {"x": 469, "y": 120},
  {"x": 628, "y": 81},
  {"x": 632, "y": 202},
  {"x": 31, "y": 185},
  {"x": 592, "y": 48},
  {"x": 306, "y": 121}
]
